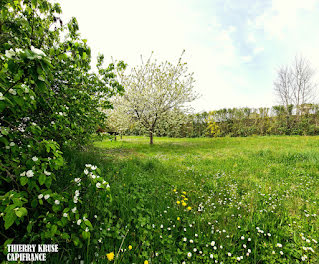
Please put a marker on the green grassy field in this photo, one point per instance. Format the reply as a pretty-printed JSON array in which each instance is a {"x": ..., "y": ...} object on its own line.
[{"x": 220, "y": 200}]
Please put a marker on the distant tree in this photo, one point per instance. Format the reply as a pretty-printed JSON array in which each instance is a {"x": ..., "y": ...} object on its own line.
[
  {"x": 155, "y": 89},
  {"x": 295, "y": 84},
  {"x": 118, "y": 120}
]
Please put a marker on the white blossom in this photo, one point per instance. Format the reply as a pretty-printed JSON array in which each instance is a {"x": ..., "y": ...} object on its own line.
[
  {"x": 30, "y": 174},
  {"x": 47, "y": 173},
  {"x": 10, "y": 53},
  {"x": 77, "y": 180},
  {"x": 12, "y": 91},
  {"x": 37, "y": 51}
]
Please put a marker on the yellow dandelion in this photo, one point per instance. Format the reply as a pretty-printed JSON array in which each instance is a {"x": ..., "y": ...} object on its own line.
[
  {"x": 184, "y": 192},
  {"x": 184, "y": 204},
  {"x": 189, "y": 208},
  {"x": 130, "y": 247},
  {"x": 174, "y": 190},
  {"x": 146, "y": 262},
  {"x": 178, "y": 202},
  {"x": 178, "y": 218},
  {"x": 110, "y": 256},
  {"x": 186, "y": 199},
  {"x": 183, "y": 196}
]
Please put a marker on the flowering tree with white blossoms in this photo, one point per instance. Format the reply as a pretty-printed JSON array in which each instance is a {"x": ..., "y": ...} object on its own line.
[{"x": 153, "y": 90}]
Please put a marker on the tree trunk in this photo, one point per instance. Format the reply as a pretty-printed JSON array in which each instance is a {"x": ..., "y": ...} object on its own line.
[
  {"x": 151, "y": 137},
  {"x": 121, "y": 137}
]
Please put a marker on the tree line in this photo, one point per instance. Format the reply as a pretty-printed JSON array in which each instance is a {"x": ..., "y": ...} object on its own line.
[
  {"x": 240, "y": 122},
  {"x": 156, "y": 96}
]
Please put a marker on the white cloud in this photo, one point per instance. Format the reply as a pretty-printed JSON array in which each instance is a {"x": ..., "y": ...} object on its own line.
[
  {"x": 126, "y": 29},
  {"x": 283, "y": 16},
  {"x": 247, "y": 58},
  {"x": 251, "y": 38},
  {"x": 258, "y": 50}
]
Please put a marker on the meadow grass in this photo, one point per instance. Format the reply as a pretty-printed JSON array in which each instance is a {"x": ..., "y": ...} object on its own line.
[{"x": 210, "y": 200}]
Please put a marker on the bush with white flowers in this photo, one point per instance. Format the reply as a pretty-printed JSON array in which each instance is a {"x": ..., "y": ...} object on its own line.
[{"x": 49, "y": 100}]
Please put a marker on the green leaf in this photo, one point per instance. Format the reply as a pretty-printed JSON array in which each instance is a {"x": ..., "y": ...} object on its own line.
[
  {"x": 41, "y": 78},
  {"x": 7, "y": 242},
  {"x": 54, "y": 228},
  {"x": 41, "y": 85},
  {"x": 34, "y": 203},
  {"x": 48, "y": 182},
  {"x": 23, "y": 180},
  {"x": 55, "y": 208},
  {"x": 42, "y": 179},
  {"x": 85, "y": 235},
  {"x": 75, "y": 240},
  {"x": 88, "y": 223},
  {"x": 29, "y": 227},
  {"x": 9, "y": 219},
  {"x": 65, "y": 236},
  {"x": 19, "y": 100},
  {"x": 2, "y": 106},
  {"x": 21, "y": 212}
]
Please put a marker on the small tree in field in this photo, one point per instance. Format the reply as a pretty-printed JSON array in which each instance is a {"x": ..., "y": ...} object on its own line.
[{"x": 153, "y": 90}]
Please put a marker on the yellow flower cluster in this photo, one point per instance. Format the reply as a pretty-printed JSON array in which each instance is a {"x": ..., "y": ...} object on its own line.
[{"x": 183, "y": 201}]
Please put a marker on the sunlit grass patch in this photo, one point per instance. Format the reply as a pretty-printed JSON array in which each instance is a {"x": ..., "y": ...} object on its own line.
[{"x": 223, "y": 200}]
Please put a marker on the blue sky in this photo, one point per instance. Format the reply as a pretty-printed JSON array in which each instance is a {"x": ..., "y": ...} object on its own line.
[{"x": 233, "y": 46}]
